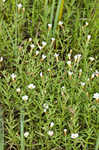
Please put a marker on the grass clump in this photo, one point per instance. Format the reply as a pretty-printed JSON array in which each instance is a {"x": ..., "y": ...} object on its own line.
[{"x": 49, "y": 80}]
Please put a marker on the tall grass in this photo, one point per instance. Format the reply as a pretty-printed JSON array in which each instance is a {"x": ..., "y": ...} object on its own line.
[
  {"x": 58, "y": 13},
  {"x": 22, "y": 129},
  {"x": 1, "y": 130}
]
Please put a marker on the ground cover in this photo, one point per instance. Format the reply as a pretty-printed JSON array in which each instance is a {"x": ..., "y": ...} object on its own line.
[{"x": 49, "y": 75}]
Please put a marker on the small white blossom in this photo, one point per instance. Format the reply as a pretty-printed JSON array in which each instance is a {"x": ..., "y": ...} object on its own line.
[
  {"x": 91, "y": 58},
  {"x": 1, "y": 59},
  {"x": 18, "y": 90},
  {"x": 60, "y": 23},
  {"x": 31, "y": 86},
  {"x": 26, "y": 134},
  {"x": 49, "y": 69},
  {"x": 49, "y": 26},
  {"x": 53, "y": 39},
  {"x": 41, "y": 74},
  {"x": 30, "y": 39},
  {"x": 69, "y": 55},
  {"x": 45, "y": 106},
  {"x": 70, "y": 73},
  {"x": 13, "y": 76},
  {"x": 65, "y": 132},
  {"x": 51, "y": 124},
  {"x": 97, "y": 73},
  {"x": 63, "y": 87},
  {"x": 88, "y": 37},
  {"x": 40, "y": 47},
  {"x": 37, "y": 52},
  {"x": 73, "y": 136},
  {"x": 19, "y": 5},
  {"x": 32, "y": 46},
  {"x": 69, "y": 63},
  {"x": 44, "y": 43},
  {"x": 77, "y": 57},
  {"x": 82, "y": 83},
  {"x": 96, "y": 96},
  {"x": 43, "y": 57},
  {"x": 25, "y": 98},
  {"x": 50, "y": 133},
  {"x": 93, "y": 75},
  {"x": 45, "y": 110},
  {"x": 80, "y": 70},
  {"x": 3, "y": 0},
  {"x": 86, "y": 23},
  {"x": 56, "y": 55}
]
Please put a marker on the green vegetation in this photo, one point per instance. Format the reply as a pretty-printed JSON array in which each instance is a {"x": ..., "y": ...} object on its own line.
[{"x": 49, "y": 75}]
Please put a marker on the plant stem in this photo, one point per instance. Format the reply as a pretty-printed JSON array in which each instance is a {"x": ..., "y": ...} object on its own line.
[
  {"x": 22, "y": 128},
  {"x": 1, "y": 130}
]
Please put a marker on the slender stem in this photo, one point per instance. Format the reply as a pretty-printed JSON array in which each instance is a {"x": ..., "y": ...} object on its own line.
[
  {"x": 22, "y": 128},
  {"x": 57, "y": 15},
  {"x": 1, "y": 130},
  {"x": 52, "y": 12}
]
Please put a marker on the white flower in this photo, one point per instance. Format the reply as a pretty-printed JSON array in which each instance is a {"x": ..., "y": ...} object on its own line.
[
  {"x": 32, "y": 46},
  {"x": 13, "y": 76},
  {"x": 45, "y": 106},
  {"x": 69, "y": 55},
  {"x": 97, "y": 73},
  {"x": 88, "y": 37},
  {"x": 49, "y": 69},
  {"x": 63, "y": 87},
  {"x": 18, "y": 90},
  {"x": 51, "y": 124},
  {"x": 50, "y": 133},
  {"x": 30, "y": 39},
  {"x": 77, "y": 57},
  {"x": 70, "y": 73},
  {"x": 65, "y": 132},
  {"x": 25, "y": 98},
  {"x": 49, "y": 26},
  {"x": 56, "y": 55},
  {"x": 43, "y": 57},
  {"x": 96, "y": 96},
  {"x": 44, "y": 43},
  {"x": 40, "y": 47},
  {"x": 41, "y": 74},
  {"x": 1, "y": 59},
  {"x": 19, "y": 5},
  {"x": 86, "y": 23},
  {"x": 73, "y": 136},
  {"x": 60, "y": 23},
  {"x": 91, "y": 58},
  {"x": 80, "y": 70},
  {"x": 82, "y": 83},
  {"x": 93, "y": 75},
  {"x": 69, "y": 63},
  {"x": 3, "y": 0},
  {"x": 37, "y": 52},
  {"x": 31, "y": 86},
  {"x": 53, "y": 39},
  {"x": 45, "y": 110},
  {"x": 26, "y": 134}
]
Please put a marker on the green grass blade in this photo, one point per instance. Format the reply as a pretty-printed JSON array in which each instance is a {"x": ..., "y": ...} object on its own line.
[
  {"x": 46, "y": 13},
  {"x": 57, "y": 15},
  {"x": 52, "y": 12},
  {"x": 1, "y": 130},
  {"x": 61, "y": 10},
  {"x": 22, "y": 129},
  {"x": 97, "y": 143}
]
